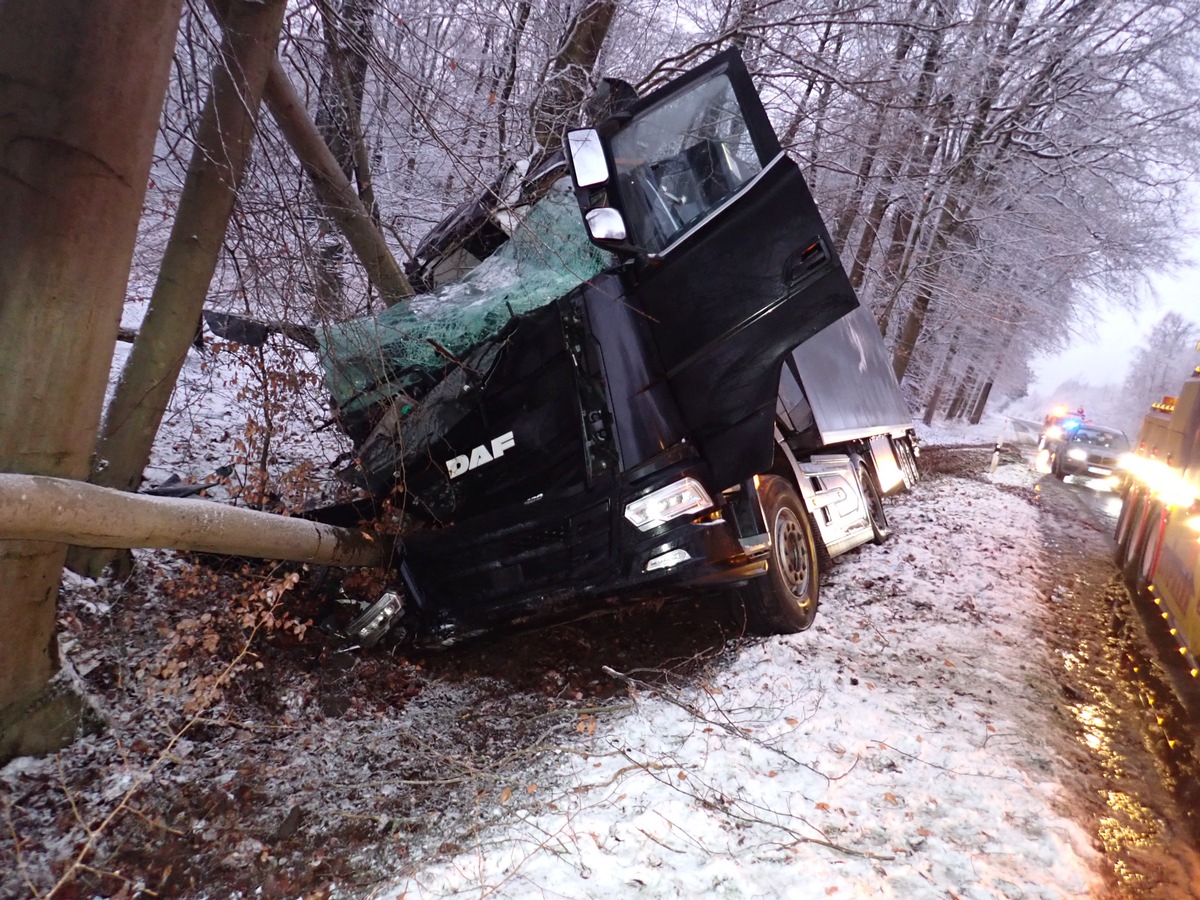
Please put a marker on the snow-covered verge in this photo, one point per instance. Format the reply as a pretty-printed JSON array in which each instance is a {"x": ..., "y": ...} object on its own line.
[
  {"x": 899, "y": 748},
  {"x": 903, "y": 747}
]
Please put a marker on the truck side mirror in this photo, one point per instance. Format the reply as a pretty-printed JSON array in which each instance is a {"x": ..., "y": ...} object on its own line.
[
  {"x": 605, "y": 224},
  {"x": 589, "y": 170},
  {"x": 586, "y": 154}
]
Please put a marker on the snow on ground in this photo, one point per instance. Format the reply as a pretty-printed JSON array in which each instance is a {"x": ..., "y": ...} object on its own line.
[
  {"x": 898, "y": 749},
  {"x": 904, "y": 747},
  {"x": 213, "y": 431},
  {"x": 992, "y": 428}
]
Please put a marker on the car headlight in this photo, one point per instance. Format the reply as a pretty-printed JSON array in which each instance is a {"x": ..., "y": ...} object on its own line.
[
  {"x": 1053, "y": 433},
  {"x": 1077, "y": 454},
  {"x": 676, "y": 499}
]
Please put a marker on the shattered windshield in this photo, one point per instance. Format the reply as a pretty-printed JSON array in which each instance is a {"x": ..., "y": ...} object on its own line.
[{"x": 369, "y": 359}]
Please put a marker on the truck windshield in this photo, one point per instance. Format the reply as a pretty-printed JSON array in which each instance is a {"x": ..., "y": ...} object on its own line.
[{"x": 680, "y": 159}]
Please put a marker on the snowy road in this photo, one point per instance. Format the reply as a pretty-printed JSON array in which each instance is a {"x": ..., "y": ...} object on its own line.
[{"x": 1120, "y": 684}]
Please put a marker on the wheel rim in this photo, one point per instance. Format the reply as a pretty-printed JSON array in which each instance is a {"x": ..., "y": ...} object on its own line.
[{"x": 791, "y": 553}]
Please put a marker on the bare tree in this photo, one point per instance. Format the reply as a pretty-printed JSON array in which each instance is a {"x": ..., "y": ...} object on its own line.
[
  {"x": 348, "y": 33},
  {"x": 1161, "y": 363},
  {"x": 569, "y": 72},
  {"x": 224, "y": 140}
]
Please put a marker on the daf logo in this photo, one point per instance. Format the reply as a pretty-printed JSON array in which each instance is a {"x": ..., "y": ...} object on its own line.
[{"x": 480, "y": 455}]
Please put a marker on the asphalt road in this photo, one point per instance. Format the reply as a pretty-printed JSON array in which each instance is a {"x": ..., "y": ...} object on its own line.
[{"x": 1134, "y": 710}]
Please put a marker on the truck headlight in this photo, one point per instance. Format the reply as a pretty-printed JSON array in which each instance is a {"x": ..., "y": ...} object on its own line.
[
  {"x": 676, "y": 499},
  {"x": 1077, "y": 454}
]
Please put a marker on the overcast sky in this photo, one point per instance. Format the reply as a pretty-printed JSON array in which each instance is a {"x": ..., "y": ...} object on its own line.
[{"x": 1100, "y": 354}]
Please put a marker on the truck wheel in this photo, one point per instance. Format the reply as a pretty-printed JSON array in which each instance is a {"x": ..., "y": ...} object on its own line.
[
  {"x": 784, "y": 601},
  {"x": 879, "y": 523},
  {"x": 1125, "y": 523},
  {"x": 1140, "y": 544},
  {"x": 1056, "y": 469}
]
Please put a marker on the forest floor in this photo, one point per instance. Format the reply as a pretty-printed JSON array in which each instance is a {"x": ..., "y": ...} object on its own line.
[{"x": 919, "y": 741}]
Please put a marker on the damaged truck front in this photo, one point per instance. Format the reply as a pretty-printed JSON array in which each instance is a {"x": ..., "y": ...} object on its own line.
[{"x": 655, "y": 378}]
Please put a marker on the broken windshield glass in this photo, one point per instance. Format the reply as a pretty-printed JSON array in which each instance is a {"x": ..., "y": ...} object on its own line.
[{"x": 371, "y": 359}]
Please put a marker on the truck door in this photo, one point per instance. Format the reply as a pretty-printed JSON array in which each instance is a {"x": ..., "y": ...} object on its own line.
[{"x": 729, "y": 259}]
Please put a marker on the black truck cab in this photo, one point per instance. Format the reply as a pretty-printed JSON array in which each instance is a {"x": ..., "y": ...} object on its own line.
[{"x": 652, "y": 426}]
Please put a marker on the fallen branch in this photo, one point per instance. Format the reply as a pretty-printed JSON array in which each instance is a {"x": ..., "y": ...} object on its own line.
[{"x": 726, "y": 726}]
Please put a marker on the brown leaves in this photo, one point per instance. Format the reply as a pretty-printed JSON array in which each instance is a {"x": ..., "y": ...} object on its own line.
[{"x": 204, "y": 653}]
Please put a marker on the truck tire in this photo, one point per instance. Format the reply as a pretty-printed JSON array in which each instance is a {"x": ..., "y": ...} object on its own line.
[
  {"x": 784, "y": 601},
  {"x": 1125, "y": 524},
  {"x": 1141, "y": 543},
  {"x": 903, "y": 449},
  {"x": 1056, "y": 469},
  {"x": 879, "y": 523}
]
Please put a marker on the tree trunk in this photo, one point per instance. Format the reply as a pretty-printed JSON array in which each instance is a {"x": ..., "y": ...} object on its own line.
[
  {"x": 224, "y": 140},
  {"x": 911, "y": 331},
  {"x": 511, "y": 50},
  {"x": 872, "y": 146},
  {"x": 821, "y": 116},
  {"x": 960, "y": 394},
  {"x": 36, "y": 508},
  {"x": 940, "y": 382},
  {"x": 981, "y": 403},
  {"x": 81, "y": 86},
  {"x": 566, "y": 81},
  {"x": 348, "y": 36},
  {"x": 932, "y": 405},
  {"x": 333, "y": 188}
]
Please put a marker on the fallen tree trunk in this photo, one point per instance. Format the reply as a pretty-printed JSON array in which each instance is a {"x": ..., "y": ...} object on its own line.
[{"x": 62, "y": 511}]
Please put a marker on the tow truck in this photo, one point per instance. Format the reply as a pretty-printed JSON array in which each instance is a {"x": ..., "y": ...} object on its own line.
[{"x": 1158, "y": 530}]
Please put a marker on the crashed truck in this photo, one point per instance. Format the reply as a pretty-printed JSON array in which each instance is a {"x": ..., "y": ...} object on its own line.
[{"x": 654, "y": 378}]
